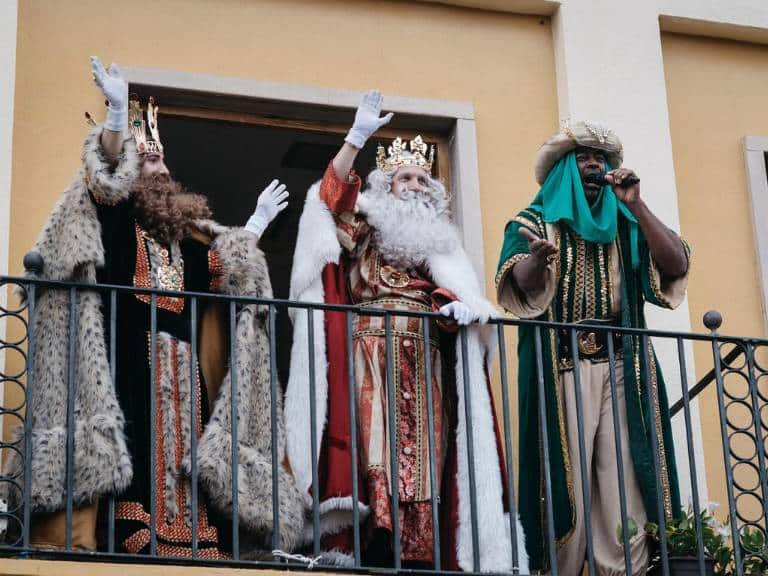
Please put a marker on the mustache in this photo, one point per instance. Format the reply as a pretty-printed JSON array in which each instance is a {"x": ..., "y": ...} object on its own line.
[
  {"x": 404, "y": 194},
  {"x": 164, "y": 209}
]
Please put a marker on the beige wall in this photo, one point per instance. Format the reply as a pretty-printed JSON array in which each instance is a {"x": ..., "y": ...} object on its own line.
[
  {"x": 717, "y": 95},
  {"x": 501, "y": 63}
]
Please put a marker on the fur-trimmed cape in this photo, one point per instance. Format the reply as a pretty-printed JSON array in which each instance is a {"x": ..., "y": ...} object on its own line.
[
  {"x": 71, "y": 247},
  {"x": 317, "y": 248}
]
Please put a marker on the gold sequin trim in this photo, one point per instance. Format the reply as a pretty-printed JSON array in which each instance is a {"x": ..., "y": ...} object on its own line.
[
  {"x": 216, "y": 269},
  {"x": 578, "y": 294},
  {"x": 142, "y": 277},
  {"x": 590, "y": 290},
  {"x": 604, "y": 304},
  {"x": 528, "y": 224},
  {"x": 507, "y": 266},
  {"x": 561, "y": 418},
  {"x": 665, "y": 488},
  {"x": 566, "y": 275}
]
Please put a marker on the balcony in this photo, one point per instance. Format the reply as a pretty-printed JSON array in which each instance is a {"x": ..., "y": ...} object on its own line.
[{"x": 736, "y": 379}]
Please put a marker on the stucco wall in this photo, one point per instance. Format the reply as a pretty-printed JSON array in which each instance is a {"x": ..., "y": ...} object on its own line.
[
  {"x": 717, "y": 94},
  {"x": 502, "y": 63}
]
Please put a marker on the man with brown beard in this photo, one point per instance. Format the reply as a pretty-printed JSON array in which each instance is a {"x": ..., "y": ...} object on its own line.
[
  {"x": 125, "y": 221},
  {"x": 393, "y": 247}
]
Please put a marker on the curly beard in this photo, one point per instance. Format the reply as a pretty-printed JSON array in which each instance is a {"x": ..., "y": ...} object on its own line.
[
  {"x": 165, "y": 210},
  {"x": 409, "y": 228}
]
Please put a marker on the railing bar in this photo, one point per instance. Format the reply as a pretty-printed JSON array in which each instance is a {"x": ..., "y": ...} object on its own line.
[
  {"x": 585, "y": 485},
  {"x": 313, "y": 434},
  {"x": 691, "y": 455},
  {"x": 470, "y": 450},
  {"x": 273, "y": 416},
  {"x": 153, "y": 385},
  {"x": 545, "y": 454},
  {"x": 70, "y": 467},
  {"x": 234, "y": 429},
  {"x": 708, "y": 378},
  {"x": 508, "y": 447},
  {"x": 31, "y": 337},
  {"x": 619, "y": 452},
  {"x": 434, "y": 487},
  {"x": 193, "y": 418},
  {"x": 758, "y": 431},
  {"x": 392, "y": 422},
  {"x": 113, "y": 375},
  {"x": 726, "y": 451},
  {"x": 374, "y": 311},
  {"x": 651, "y": 422},
  {"x": 351, "y": 382}
]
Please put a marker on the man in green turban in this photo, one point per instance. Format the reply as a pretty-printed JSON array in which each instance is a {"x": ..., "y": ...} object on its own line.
[{"x": 589, "y": 252}]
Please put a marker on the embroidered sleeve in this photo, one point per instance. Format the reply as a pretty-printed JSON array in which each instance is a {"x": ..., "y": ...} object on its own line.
[
  {"x": 515, "y": 249},
  {"x": 341, "y": 197},
  {"x": 660, "y": 290},
  {"x": 338, "y": 195}
]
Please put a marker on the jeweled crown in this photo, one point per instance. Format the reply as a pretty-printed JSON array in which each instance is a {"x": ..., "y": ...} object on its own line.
[
  {"x": 145, "y": 133},
  {"x": 400, "y": 155}
]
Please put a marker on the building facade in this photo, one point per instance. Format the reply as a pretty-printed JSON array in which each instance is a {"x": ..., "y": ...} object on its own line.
[{"x": 683, "y": 82}]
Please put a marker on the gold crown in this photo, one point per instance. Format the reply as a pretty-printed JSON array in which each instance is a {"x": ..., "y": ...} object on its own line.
[
  {"x": 399, "y": 155},
  {"x": 147, "y": 141}
]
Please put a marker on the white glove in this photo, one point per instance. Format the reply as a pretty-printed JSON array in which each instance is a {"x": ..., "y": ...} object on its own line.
[
  {"x": 367, "y": 119},
  {"x": 461, "y": 312},
  {"x": 272, "y": 201},
  {"x": 115, "y": 89}
]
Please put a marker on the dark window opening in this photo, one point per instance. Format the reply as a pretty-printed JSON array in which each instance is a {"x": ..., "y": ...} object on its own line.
[{"x": 232, "y": 162}]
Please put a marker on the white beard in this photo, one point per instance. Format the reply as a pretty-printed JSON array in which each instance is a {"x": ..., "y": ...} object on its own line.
[{"x": 407, "y": 230}]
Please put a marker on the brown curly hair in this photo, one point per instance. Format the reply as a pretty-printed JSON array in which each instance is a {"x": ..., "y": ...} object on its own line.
[{"x": 165, "y": 210}]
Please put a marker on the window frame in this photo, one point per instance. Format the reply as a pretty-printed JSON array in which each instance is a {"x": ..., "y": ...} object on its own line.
[
  {"x": 755, "y": 159},
  {"x": 303, "y": 106}
]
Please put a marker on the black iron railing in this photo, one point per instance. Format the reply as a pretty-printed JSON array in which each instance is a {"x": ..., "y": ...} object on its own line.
[{"x": 743, "y": 517}]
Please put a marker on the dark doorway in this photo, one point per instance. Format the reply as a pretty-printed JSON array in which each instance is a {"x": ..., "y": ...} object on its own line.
[{"x": 232, "y": 162}]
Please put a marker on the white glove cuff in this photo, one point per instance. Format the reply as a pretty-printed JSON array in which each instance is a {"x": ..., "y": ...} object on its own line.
[
  {"x": 256, "y": 224},
  {"x": 117, "y": 119},
  {"x": 356, "y": 138}
]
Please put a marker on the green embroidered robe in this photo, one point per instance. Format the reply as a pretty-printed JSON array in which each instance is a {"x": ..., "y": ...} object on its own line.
[{"x": 586, "y": 280}]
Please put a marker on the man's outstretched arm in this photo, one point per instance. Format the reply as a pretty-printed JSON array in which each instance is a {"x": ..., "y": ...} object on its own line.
[{"x": 115, "y": 90}]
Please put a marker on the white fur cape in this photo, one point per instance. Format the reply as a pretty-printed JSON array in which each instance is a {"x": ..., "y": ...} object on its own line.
[{"x": 318, "y": 246}]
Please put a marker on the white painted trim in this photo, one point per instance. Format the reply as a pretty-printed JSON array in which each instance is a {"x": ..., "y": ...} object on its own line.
[
  {"x": 738, "y": 13},
  {"x": 534, "y": 7},
  {"x": 460, "y": 115},
  {"x": 465, "y": 177},
  {"x": 8, "y": 27},
  {"x": 755, "y": 148},
  {"x": 291, "y": 93},
  {"x": 640, "y": 117}
]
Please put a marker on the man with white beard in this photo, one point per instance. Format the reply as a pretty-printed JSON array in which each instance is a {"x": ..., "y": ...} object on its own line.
[{"x": 393, "y": 247}]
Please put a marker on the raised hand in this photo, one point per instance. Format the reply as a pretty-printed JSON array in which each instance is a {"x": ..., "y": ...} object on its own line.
[
  {"x": 630, "y": 195},
  {"x": 115, "y": 89},
  {"x": 272, "y": 200},
  {"x": 542, "y": 251},
  {"x": 367, "y": 119}
]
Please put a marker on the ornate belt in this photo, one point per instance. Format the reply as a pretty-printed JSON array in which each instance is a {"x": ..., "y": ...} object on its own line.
[{"x": 592, "y": 344}]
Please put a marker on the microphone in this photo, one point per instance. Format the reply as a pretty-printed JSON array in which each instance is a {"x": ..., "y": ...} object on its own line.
[{"x": 600, "y": 180}]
